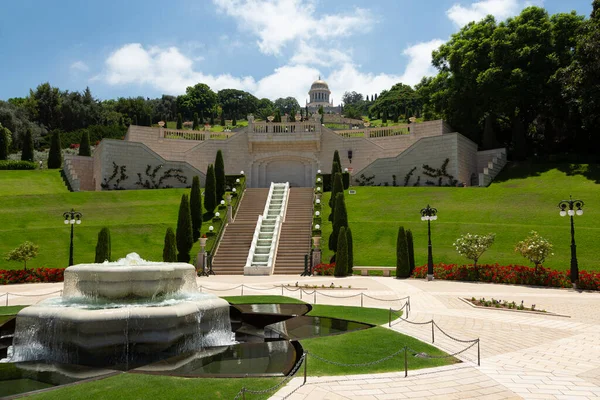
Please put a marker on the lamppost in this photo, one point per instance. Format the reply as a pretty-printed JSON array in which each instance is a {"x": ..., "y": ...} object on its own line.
[
  {"x": 429, "y": 214},
  {"x": 567, "y": 207},
  {"x": 72, "y": 217}
]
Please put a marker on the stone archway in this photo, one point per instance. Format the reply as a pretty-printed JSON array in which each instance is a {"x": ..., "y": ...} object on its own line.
[{"x": 297, "y": 170}]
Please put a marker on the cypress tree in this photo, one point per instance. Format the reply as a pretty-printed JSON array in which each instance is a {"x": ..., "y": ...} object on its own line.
[
  {"x": 212, "y": 119},
  {"x": 341, "y": 254},
  {"x": 222, "y": 118},
  {"x": 402, "y": 263},
  {"x": 170, "y": 248},
  {"x": 103, "y": 246},
  {"x": 350, "y": 251},
  {"x": 195, "y": 125},
  {"x": 27, "y": 149},
  {"x": 179, "y": 121},
  {"x": 336, "y": 187},
  {"x": 196, "y": 208},
  {"x": 84, "y": 144},
  {"x": 411, "y": 251},
  {"x": 135, "y": 120},
  {"x": 336, "y": 159},
  {"x": 54, "y": 154},
  {"x": 210, "y": 195},
  {"x": 219, "y": 176},
  {"x": 340, "y": 219},
  {"x": 306, "y": 112},
  {"x": 234, "y": 121},
  {"x": 184, "y": 236},
  {"x": 4, "y": 135}
]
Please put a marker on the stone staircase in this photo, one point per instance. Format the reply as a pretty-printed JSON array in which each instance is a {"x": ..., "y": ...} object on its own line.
[
  {"x": 296, "y": 231},
  {"x": 490, "y": 163},
  {"x": 233, "y": 250}
]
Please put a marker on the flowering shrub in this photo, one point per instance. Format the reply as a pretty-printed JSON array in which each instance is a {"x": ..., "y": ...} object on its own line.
[
  {"x": 74, "y": 146},
  {"x": 31, "y": 275},
  {"x": 473, "y": 246},
  {"x": 534, "y": 248},
  {"x": 512, "y": 274},
  {"x": 324, "y": 269}
]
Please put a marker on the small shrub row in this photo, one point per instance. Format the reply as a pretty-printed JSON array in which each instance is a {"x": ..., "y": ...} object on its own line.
[
  {"x": 14, "y": 164},
  {"x": 511, "y": 274},
  {"x": 31, "y": 275}
]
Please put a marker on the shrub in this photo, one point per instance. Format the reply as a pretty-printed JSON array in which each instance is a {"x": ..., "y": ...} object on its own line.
[
  {"x": 411, "y": 250},
  {"x": 27, "y": 148},
  {"x": 179, "y": 121},
  {"x": 103, "y": 246},
  {"x": 31, "y": 275},
  {"x": 219, "y": 176},
  {"x": 84, "y": 148},
  {"x": 14, "y": 165},
  {"x": 473, "y": 246},
  {"x": 54, "y": 155},
  {"x": 350, "y": 251},
  {"x": 170, "y": 248},
  {"x": 184, "y": 236},
  {"x": 210, "y": 195},
  {"x": 5, "y": 136},
  {"x": 341, "y": 254},
  {"x": 196, "y": 208},
  {"x": 324, "y": 269},
  {"x": 340, "y": 219},
  {"x": 337, "y": 187},
  {"x": 534, "y": 248},
  {"x": 402, "y": 260}
]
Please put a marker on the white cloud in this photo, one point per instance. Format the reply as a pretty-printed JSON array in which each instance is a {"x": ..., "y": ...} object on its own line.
[
  {"x": 419, "y": 64},
  {"x": 311, "y": 55},
  {"x": 79, "y": 66},
  {"x": 501, "y": 9},
  {"x": 278, "y": 23}
]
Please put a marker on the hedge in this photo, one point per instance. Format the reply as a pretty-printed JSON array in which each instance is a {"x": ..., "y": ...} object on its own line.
[{"x": 17, "y": 164}]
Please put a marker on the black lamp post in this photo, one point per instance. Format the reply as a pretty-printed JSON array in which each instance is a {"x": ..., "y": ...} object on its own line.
[
  {"x": 72, "y": 217},
  {"x": 429, "y": 214},
  {"x": 567, "y": 207}
]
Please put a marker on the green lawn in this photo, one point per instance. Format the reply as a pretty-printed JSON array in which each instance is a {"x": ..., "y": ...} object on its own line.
[
  {"x": 375, "y": 316},
  {"x": 32, "y": 210},
  {"x": 522, "y": 199}
]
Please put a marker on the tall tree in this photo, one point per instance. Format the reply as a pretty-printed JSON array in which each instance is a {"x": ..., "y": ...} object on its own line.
[
  {"x": 170, "y": 247},
  {"x": 179, "y": 121},
  {"x": 184, "y": 236},
  {"x": 402, "y": 260},
  {"x": 337, "y": 186},
  {"x": 339, "y": 219},
  {"x": 210, "y": 193},
  {"x": 196, "y": 208},
  {"x": 286, "y": 105},
  {"x": 27, "y": 148},
  {"x": 4, "y": 140},
  {"x": 350, "y": 251},
  {"x": 84, "y": 144},
  {"x": 336, "y": 159},
  {"x": 411, "y": 251},
  {"x": 55, "y": 155},
  {"x": 219, "y": 176},
  {"x": 103, "y": 246},
  {"x": 341, "y": 254},
  {"x": 196, "y": 123}
]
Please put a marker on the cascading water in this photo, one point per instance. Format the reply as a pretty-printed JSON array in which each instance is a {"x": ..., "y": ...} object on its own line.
[{"x": 122, "y": 313}]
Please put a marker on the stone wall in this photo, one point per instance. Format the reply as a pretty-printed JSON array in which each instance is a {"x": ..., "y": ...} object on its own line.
[{"x": 79, "y": 171}]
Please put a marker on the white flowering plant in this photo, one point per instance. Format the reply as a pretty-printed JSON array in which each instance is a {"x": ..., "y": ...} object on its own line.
[
  {"x": 473, "y": 246},
  {"x": 534, "y": 248}
]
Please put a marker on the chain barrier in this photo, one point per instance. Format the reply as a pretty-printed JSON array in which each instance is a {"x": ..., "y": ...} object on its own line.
[
  {"x": 425, "y": 355},
  {"x": 375, "y": 298},
  {"x": 453, "y": 338},
  {"x": 28, "y": 295},
  {"x": 367, "y": 364},
  {"x": 340, "y": 297},
  {"x": 221, "y": 290},
  {"x": 251, "y": 288},
  {"x": 243, "y": 390}
]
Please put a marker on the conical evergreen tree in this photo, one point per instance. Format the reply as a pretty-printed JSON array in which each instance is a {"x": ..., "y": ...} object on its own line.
[
  {"x": 196, "y": 208},
  {"x": 402, "y": 263},
  {"x": 27, "y": 148},
  {"x": 103, "y": 246},
  {"x": 219, "y": 177},
  {"x": 350, "y": 251},
  {"x": 336, "y": 159},
  {"x": 195, "y": 124},
  {"x": 184, "y": 236},
  {"x": 234, "y": 121},
  {"x": 341, "y": 254},
  {"x": 210, "y": 195},
  {"x": 337, "y": 186},
  {"x": 411, "y": 251},
  {"x": 4, "y": 135},
  {"x": 222, "y": 118},
  {"x": 54, "y": 154},
  {"x": 339, "y": 219},
  {"x": 84, "y": 144},
  {"x": 179, "y": 121},
  {"x": 170, "y": 248}
]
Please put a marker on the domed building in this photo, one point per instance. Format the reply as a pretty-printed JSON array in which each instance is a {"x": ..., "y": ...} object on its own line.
[{"x": 319, "y": 96}]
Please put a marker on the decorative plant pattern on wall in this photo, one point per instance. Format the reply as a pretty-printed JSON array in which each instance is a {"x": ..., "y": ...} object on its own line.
[
  {"x": 117, "y": 170},
  {"x": 365, "y": 180},
  {"x": 151, "y": 182},
  {"x": 439, "y": 173}
]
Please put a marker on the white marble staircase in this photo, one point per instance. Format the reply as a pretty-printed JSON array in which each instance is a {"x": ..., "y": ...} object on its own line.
[{"x": 490, "y": 163}]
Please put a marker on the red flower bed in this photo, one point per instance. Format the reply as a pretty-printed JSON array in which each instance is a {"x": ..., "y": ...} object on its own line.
[
  {"x": 513, "y": 274},
  {"x": 31, "y": 275},
  {"x": 74, "y": 146},
  {"x": 324, "y": 269}
]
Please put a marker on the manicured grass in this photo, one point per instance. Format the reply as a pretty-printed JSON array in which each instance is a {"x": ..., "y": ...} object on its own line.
[
  {"x": 137, "y": 219},
  {"x": 138, "y": 386},
  {"x": 262, "y": 300},
  {"x": 375, "y": 316},
  {"x": 524, "y": 198},
  {"x": 10, "y": 310}
]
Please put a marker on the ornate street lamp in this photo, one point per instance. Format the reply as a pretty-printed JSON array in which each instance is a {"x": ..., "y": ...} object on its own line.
[
  {"x": 72, "y": 217},
  {"x": 567, "y": 207},
  {"x": 429, "y": 214}
]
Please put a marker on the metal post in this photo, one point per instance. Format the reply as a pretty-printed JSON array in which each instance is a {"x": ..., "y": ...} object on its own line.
[
  {"x": 305, "y": 365},
  {"x": 315, "y": 297},
  {"x": 242, "y": 289},
  {"x": 429, "y": 253},
  {"x": 432, "y": 332},
  {"x": 405, "y": 362},
  {"x": 478, "y": 354},
  {"x": 71, "y": 247},
  {"x": 574, "y": 267},
  {"x": 282, "y": 289},
  {"x": 243, "y": 393},
  {"x": 361, "y": 299},
  {"x": 6, "y": 299},
  {"x": 301, "y": 293},
  {"x": 390, "y": 318}
]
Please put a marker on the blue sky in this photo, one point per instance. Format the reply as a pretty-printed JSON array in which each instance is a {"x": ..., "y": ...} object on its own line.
[{"x": 271, "y": 48}]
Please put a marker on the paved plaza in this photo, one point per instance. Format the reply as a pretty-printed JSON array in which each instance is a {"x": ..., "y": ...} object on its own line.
[{"x": 523, "y": 355}]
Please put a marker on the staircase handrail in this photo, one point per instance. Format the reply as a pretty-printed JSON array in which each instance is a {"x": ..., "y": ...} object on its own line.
[
  {"x": 274, "y": 245},
  {"x": 254, "y": 241}
]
